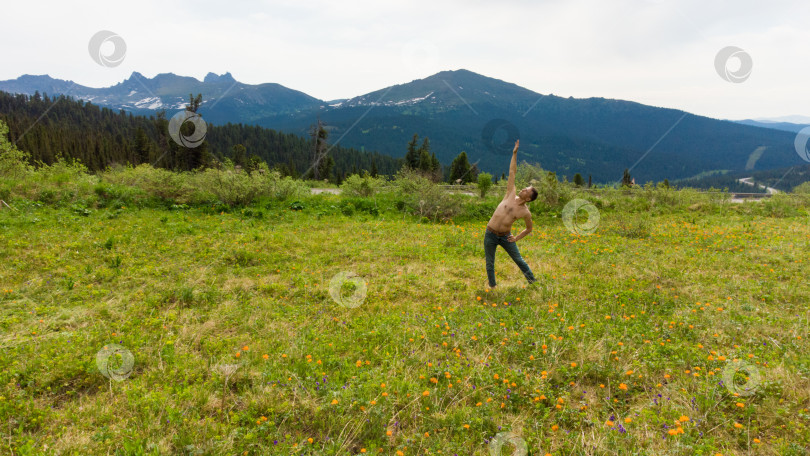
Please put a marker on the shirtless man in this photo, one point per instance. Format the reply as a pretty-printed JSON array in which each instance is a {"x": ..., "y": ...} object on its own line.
[{"x": 499, "y": 227}]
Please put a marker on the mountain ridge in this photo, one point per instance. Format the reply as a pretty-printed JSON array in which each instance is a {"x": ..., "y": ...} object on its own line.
[
  {"x": 784, "y": 126},
  {"x": 460, "y": 110},
  {"x": 141, "y": 95}
]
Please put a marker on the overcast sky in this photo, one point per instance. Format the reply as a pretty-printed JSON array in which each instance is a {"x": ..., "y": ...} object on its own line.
[{"x": 656, "y": 52}]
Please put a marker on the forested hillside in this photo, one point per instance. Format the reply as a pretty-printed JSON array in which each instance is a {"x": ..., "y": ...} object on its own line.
[{"x": 98, "y": 137}]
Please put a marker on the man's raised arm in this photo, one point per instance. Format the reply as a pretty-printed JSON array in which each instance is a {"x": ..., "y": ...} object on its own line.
[{"x": 510, "y": 186}]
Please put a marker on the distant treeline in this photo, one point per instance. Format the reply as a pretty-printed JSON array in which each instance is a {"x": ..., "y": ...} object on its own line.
[
  {"x": 720, "y": 181},
  {"x": 46, "y": 127},
  {"x": 784, "y": 179}
]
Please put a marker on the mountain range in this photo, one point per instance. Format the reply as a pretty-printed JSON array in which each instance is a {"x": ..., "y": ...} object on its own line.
[
  {"x": 465, "y": 111},
  {"x": 777, "y": 125}
]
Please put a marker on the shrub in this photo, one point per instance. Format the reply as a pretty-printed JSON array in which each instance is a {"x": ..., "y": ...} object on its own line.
[
  {"x": 408, "y": 181},
  {"x": 113, "y": 195},
  {"x": 63, "y": 182},
  {"x": 484, "y": 183},
  {"x": 718, "y": 196},
  {"x": 476, "y": 210},
  {"x": 286, "y": 188},
  {"x": 14, "y": 163},
  {"x": 347, "y": 209},
  {"x": 781, "y": 205},
  {"x": 529, "y": 174},
  {"x": 366, "y": 185},
  {"x": 423, "y": 198},
  {"x": 65, "y": 171},
  {"x": 664, "y": 195},
  {"x": 230, "y": 185},
  {"x": 360, "y": 205},
  {"x": 551, "y": 192},
  {"x": 803, "y": 188},
  {"x": 155, "y": 182},
  {"x": 236, "y": 187}
]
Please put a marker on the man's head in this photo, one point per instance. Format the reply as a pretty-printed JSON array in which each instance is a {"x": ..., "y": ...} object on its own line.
[{"x": 528, "y": 194}]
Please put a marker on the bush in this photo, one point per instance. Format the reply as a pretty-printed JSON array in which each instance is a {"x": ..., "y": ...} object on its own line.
[
  {"x": 366, "y": 185},
  {"x": 663, "y": 195},
  {"x": 230, "y": 185},
  {"x": 63, "y": 182},
  {"x": 552, "y": 192},
  {"x": 423, "y": 198},
  {"x": 226, "y": 185},
  {"x": 484, "y": 183},
  {"x": 156, "y": 182},
  {"x": 476, "y": 210},
  {"x": 781, "y": 205},
  {"x": 717, "y": 196},
  {"x": 14, "y": 163},
  {"x": 408, "y": 181},
  {"x": 548, "y": 190},
  {"x": 113, "y": 195},
  {"x": 283, "y": 189},
  {"x": 347, "y": 209},
  {"x": 64, "y": 172},
  {"x": 803, "y": 188},
  {"x": 360, "y": 205},
  {"x": 529, "y": 174}
]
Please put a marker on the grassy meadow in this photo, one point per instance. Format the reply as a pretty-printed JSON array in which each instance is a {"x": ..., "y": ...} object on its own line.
[{"x": 342, "y": 325}]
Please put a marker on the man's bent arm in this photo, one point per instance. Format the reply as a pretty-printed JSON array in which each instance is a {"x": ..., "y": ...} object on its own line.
[
  {"x": 527, "y": 230},
  {"x": 510, "y": 186}
]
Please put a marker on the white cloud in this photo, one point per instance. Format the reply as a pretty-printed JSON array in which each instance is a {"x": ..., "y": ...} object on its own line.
[{"x": 658, "y": 52}]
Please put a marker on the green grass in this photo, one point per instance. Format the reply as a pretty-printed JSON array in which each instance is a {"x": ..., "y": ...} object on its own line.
[{"x": 239, "y": 347}]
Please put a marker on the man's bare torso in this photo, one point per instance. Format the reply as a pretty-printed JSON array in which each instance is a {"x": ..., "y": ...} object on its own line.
[{"x": 506, "y": 213}]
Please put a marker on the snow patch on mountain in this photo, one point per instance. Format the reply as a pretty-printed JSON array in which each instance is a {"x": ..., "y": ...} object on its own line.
[
  {"x": 362, "y": 101},
  {"x": 180, "y": 104},
  {"x": 149, "y": 103},
  {"x": 413, "y": 100}
]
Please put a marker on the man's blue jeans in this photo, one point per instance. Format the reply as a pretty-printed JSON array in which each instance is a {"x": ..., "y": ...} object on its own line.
[{"x": 491, "y": 242}]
